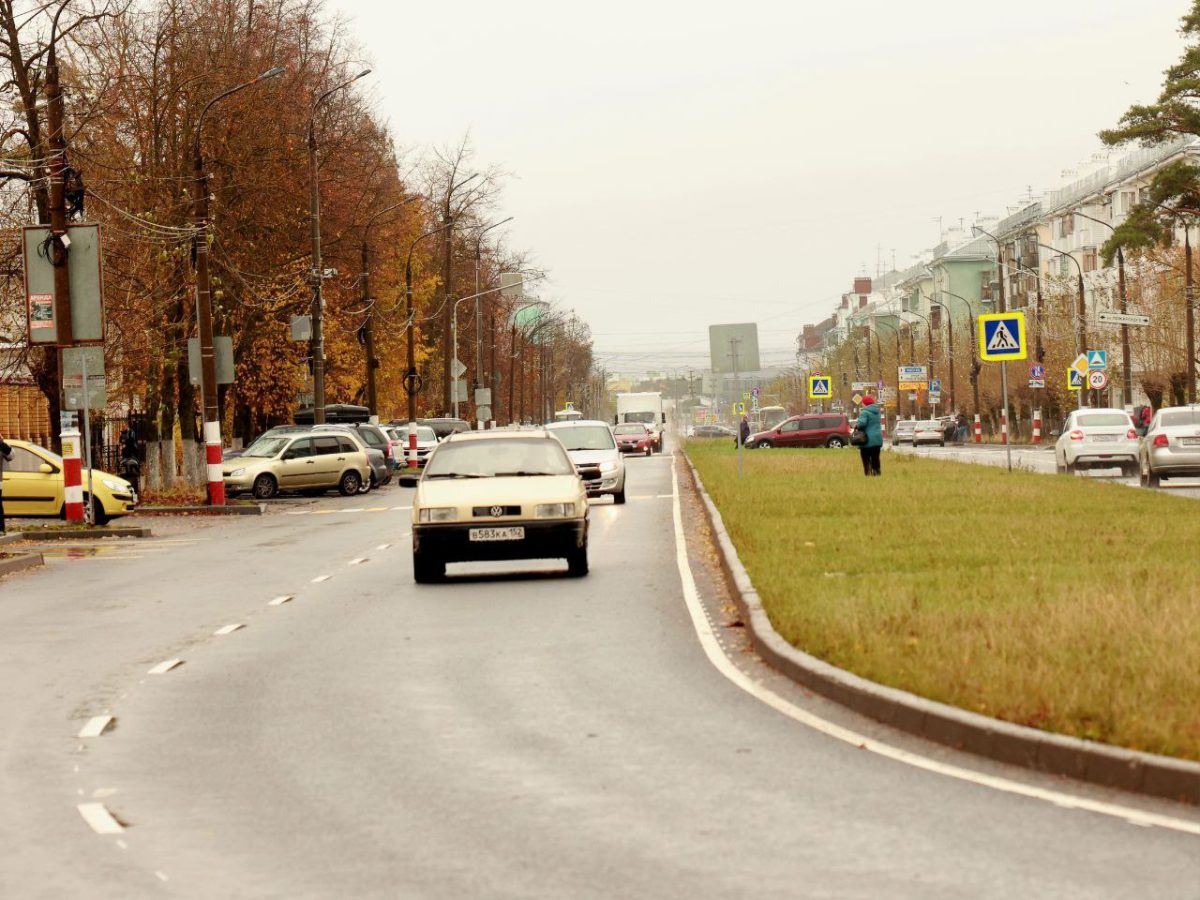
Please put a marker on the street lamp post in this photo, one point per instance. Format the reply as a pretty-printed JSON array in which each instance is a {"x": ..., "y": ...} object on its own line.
[
  {"x": 1001, "y": 306},
  {"x": 318, "y": 273},
  {"x": 1081, "y": 311},
  {"x": 896, "y": 331},
  {"x": 478, "y": 317},
  {"x": 950, "y": 347},
  {"x": 208, "y": 363},
  {"x": 975, "y": 366},
  {"x": 412, "y": 381},
  {"x": 1127, "y": 380}
]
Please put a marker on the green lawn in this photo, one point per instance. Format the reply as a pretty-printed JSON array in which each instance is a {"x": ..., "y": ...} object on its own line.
[{"x": 1061, "y": 603}]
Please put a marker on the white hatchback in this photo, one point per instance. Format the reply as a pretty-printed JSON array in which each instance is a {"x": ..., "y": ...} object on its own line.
[{"x": 1097, "y": 439}]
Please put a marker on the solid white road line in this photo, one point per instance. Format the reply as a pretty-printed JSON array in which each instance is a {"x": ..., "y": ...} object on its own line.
[
  {"x": 95, "y": 727},
  {"x": 726, "y": 667},
  {"x": 280, "y": 600},
  {"x": 99, "y": 818},
  {"x": 228, "y": 629},
  {"x": 166, "y": 666}
]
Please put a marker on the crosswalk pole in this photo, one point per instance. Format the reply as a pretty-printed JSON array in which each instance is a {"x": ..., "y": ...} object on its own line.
[{"x": 1004, "y": 420}]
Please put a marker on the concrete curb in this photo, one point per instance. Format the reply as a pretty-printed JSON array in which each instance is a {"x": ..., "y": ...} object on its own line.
[
  {"x": 241, "y": 510},
  {"x": 84, "y": 534},
  {"x": 20, "y": 563},
  {"x": 1056, "y": 754}
]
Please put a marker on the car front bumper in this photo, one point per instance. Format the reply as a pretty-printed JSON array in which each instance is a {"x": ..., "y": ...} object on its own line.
[{"x": 544, "y": 539}]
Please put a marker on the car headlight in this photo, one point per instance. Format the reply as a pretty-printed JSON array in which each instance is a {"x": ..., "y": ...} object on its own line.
[
  {"x": 610, "y": 466},
  {"x": 237, "y": 472},
  {"x": 554, "y": 510},
  {"x": 114, "y": 485},
  {"x": 437, "y": 514}
]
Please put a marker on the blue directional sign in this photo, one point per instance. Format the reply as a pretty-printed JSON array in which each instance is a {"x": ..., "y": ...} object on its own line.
[
  {"x": 1002, "y": 336},
  {"x": 1037, "y": 370},
  {"x": 935, "y": 385},
  {"x": 1097, "y": 359},
  {"x": 820, "y": 387}
]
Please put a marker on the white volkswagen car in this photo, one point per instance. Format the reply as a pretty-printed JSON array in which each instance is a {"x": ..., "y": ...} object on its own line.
[
  {"x": 499, "y": 495},
  {"x": 593, "y": 449},
  {"x": 1097, "y": 439}
]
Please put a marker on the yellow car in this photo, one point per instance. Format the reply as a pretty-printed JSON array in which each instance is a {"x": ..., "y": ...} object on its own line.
[
  {"x": 33, "y": 486},
  {"x": 499, "y": 495}
]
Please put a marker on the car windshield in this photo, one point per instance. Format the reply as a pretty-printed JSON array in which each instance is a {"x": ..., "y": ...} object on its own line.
[
  {"x": 585, "y": 437},
  {"x": 425, "y": 434},
  {"x": 1180, "y": 417},
  {"x": 265, "y": 448},
  {"x": 1102, "y": 420},
  {"x": 905, "y": 426},
  {"x": 499, "y": 457},
  {"x": 646, "y": 417},
  {"x": 929, "y": 426},
  {"x": 630, "y": 429}
]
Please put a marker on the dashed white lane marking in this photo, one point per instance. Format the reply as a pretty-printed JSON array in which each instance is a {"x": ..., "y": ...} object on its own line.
[
  {"x": 321, "y": 578},
  {"x": 166, "y": 666},
  {"x": 375, "y": 509},
  {"x": 95, "y": 726},
  {"x": 99, "y": 819},
  {"x": 724, "y": 665},
  {"x": 161, "y": 876},
  {"x": 280, "y": 600},
  {"x": 228, "y": 629},
  {"x": 383, "y": 546},
  {"x": 358, "y": 561},
  {"x": 353, "y": 509},
  {"x": 401, "y": 507},
  {"x": 122, "y": 844},
  {"x": 103, "y": 793}
]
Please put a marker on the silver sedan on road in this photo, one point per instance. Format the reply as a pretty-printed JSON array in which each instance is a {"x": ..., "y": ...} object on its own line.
[{"x": 1171, "y": 447}]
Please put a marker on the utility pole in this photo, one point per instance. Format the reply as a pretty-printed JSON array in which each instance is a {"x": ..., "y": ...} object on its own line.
[
  {"x": 368, "y": 328},
  {"x": 59, "y": 253},
  {"x": 318, "y": 272},
  {"x": 1189, "y": 296}
]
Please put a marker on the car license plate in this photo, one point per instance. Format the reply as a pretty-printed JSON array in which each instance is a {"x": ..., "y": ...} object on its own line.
[
  {"x": 1189, "y": 442},
  {"x": 1104, "y": 437},
  {"x": 512, "y": 533}
]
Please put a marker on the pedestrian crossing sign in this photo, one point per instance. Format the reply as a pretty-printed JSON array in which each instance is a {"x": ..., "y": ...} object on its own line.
[
  {"x": 1074, "y": 379},
  {"x": 820, "y": 387},
  {"x": 1002, "y": 336}
]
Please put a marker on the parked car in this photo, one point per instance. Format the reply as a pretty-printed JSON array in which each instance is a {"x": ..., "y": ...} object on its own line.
[
  {"x": 233, "y": 453},
  {"x": 593, "y": 449},
  {"x": 499, "y": 495},
  {"x": 427, "y": 439},
  {"x": 634, "y": 437},
  {"x": 713, "y": 431},
  {"x": 929, "y": 431},
  {"x": 380, "y": 471},
  {"x": 373, "y": 436},
  {"x": 443, "y": 426},
  {"x": 903, "y": 432},
  {"x": 812, "y": 430},
  {"x": 1171, "y": 447},
  {"x": 1097, "y": 439},
  {"x": 33, "y": 486},
  {"x": 305, "y": 461}
]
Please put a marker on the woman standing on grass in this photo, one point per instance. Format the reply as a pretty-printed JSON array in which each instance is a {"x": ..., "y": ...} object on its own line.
[{"x": 868, "y": 421}]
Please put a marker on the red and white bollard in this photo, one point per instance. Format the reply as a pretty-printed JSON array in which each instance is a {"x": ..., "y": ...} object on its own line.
[
  {"x": 883, "y": 426},
  {"x": 978, "y": 429},
  {"x": 1037, "y": 426},
  {"x": 412, "y": 445},
  {"x": 1003, "y": 426},
  {"x": 212, "y": 457},
  {"x": 72, "y": 475}
]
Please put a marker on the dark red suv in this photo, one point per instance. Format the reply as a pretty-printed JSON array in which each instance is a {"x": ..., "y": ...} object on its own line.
[{"x": 814, "y": 430}]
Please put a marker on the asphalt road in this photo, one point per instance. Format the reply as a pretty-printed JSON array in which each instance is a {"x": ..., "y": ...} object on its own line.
[{"x": 511, "y": 735}]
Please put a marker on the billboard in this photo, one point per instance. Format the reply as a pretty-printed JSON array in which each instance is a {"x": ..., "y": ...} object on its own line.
[{"x": 733, "y": 348}]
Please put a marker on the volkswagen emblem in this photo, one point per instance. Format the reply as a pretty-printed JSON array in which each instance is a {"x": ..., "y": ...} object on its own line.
[{"x": 497, "y": 511}]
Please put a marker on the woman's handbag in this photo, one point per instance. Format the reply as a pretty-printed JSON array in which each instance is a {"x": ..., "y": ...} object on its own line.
[{"x": 858, "y": 437}]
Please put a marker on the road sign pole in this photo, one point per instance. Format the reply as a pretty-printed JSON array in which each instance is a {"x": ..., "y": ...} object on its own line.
[
  {"x": 1004, "y": 391},
  {"x": 89, "y": 509}
]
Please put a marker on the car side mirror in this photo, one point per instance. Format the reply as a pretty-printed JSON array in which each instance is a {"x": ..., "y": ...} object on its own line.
[{"x": 46, "y": 469}]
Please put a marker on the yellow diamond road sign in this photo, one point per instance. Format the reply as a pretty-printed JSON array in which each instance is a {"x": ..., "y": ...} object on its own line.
[{"x": 1081, "y": 364}]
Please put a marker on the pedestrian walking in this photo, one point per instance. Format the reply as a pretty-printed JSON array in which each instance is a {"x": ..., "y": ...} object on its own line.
[
  {"x": 868, "y": 421},
  {"x": 963, "y": 426},
  {"x": 744, "y": 431},
  {"x": 5, "y": 456}
]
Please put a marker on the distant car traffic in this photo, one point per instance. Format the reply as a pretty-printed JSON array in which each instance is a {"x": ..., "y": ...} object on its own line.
[
  {"x": 1171, "y": 447},
  {"x": 1097, "y": 439},
  {"x": 929, "y": 431},
  {"x": 634, "y": 437},
  {"x": 499, "y": 495},
  {"x": 713, "y": 431},
  {"x": 305, "y": 461},
  {"x": 593, "y": 450},
  {"x": 903, "y": 432},
  {"x": 812, "y": 430},
  {"x": 372, "y": 444},
  {"x": 443, "y": 426},
  {"x": 33, "y": 486}
]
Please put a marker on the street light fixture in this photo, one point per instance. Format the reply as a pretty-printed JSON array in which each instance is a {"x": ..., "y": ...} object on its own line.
[
  {"x": 208, "y": 363},
  {"x": 318, "y": 273},
  {"x": 1127, "y": 380},
  {"x": 1081, "y": 312},
  {"x": 412, "y": 381}
]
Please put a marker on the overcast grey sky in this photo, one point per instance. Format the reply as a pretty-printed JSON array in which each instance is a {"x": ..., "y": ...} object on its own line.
[{"x": 678, "y": 164}]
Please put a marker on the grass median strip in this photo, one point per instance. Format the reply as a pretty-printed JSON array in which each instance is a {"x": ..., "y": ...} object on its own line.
[{"x": 1058, "y": 603}]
